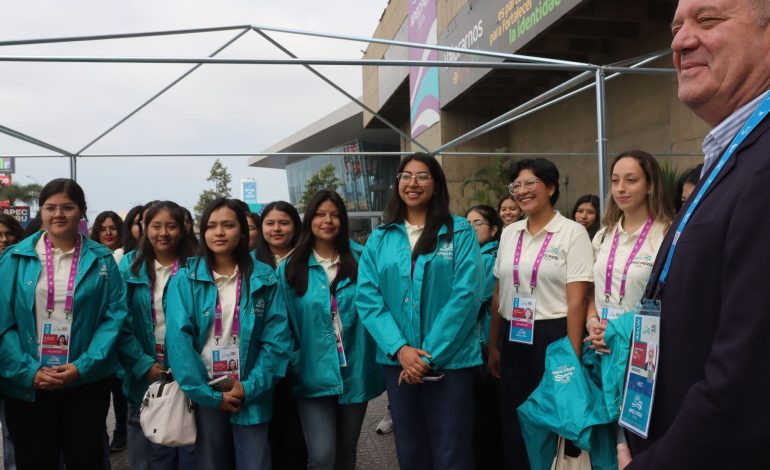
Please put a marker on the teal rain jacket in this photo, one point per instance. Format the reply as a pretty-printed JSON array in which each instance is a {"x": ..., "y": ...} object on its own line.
[
  {"x": 314, "y": 363},
  {"x": 264, "y": 340},
  {"x": 99, "y": 309},
  {"x": 488, "y": 256},
  {"x": 435, "y": 308},
  {"x": 136, "y": 345},
  {"x": 566, "y": 403}
]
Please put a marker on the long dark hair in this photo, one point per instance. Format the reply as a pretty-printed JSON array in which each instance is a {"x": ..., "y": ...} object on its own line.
[
  {"x": 438, "y": 207},
  {"x": 594, "y": 201},
  {"x": 491, "y": 217},
  {"x": 99, "y": 221},
  {"x": 241, "y": 253},
  {"x": 263, "y": 252},
  {"x": 13, "y": 226},
  {"x": 189, "y": 228},
  {"x": 129, "y": 242},
  {"x": 297, "y": 265},
  {"x": 146, "y": 253},
  {"x": 691, "y": 176}
]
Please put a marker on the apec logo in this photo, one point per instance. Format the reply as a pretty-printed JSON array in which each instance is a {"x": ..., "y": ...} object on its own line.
[
  {"x": 259, "y": 308},
  {"x": 551, "y": 254},
  {"x": 563, "y": 374}
]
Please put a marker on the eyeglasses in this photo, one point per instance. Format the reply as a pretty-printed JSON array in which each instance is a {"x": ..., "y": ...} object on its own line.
[
  {"x": 66, "y": 209},
  {"x": 7, "y": 236},
  {"x": 422, "y": 177},
  {"x": 479, "y": 223},
  {"x": 105, "y": 229},
  {"x": 518, "y": 187}
]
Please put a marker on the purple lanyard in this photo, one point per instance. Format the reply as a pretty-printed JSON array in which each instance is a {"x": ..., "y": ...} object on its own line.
[
  {"x": 236, "y": 314},
  {"x": 70, "y": 281},
  {"x": 335, "y": 307},
  {"x": 631, "y": 256},
  {"x": 174, "y": 269},
  {"x": 535, "y": 267}
]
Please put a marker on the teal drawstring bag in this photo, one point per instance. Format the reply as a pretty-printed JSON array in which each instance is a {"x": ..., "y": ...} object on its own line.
[{"x": 569, "y": 403}]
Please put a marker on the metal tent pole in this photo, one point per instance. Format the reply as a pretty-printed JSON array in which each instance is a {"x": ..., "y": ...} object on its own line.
[
  {"x": 158, "y": 94},
  {"x": 315, "y": 72},
  {"x": 601, "y": 139}
]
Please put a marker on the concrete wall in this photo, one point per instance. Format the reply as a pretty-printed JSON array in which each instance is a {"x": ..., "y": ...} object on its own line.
[
  {"x": 642, "y": 112},
  {"x": 391, "y": 21}
]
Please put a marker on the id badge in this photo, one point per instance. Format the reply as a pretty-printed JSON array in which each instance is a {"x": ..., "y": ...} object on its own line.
[
  {"x": 338, "y": 336},
  {"x": 226, "y": 361},
  {"x": 523, "y": 319},
  {"x": 160, "y": 351},
  {"x": 610, "y": 312},
  {"x": 54, "y": 344},
  {"x": 639, "y": 390}
]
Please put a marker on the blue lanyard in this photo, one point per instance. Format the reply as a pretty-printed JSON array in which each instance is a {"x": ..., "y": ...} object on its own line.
[{"x": 756, "y": 117}]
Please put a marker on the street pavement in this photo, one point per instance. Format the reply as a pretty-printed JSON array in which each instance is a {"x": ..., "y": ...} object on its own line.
[{"x": 375, "y": 451}]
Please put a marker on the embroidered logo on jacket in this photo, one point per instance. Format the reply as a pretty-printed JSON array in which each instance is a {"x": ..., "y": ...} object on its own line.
[
  {"x": 563, "y": 374},
  {"x": 259, "y": 308},
  {"x": 446, "y": 251}
]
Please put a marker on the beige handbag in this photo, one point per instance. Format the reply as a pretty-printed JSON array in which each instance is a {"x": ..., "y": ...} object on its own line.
[{"x": 565, "y": 462}]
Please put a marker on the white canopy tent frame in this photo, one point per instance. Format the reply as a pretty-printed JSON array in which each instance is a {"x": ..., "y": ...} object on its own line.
[{"x": 563, "y": 91}]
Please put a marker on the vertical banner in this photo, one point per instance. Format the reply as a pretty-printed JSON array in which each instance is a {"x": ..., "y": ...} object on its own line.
[
  {"x": 249, "y": 191},
  {"x": 423, "y": 81},
  {"x": 7, "y": 165}
]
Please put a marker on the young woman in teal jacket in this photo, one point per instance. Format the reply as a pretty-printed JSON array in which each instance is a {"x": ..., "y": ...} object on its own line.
[
  {"x": 333, "y": 366},
  {"x": 420, "y": 282},
  {"x": 488, "y": 451},
  {"x": 62, "y": 304},
  {"x": 141, "y": 347},
  {"x": 227, "y": 320}
]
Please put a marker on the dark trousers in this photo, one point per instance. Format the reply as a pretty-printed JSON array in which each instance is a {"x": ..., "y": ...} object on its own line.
[
  {"x": 433, "y": 421},
  {"x": 287, "y": 443},
  {"x": 487, "y": 441},
  {"x": 66, "y": 423},
  {"x": 522, "y": 367},
  {"x": 119, "y": 404}
]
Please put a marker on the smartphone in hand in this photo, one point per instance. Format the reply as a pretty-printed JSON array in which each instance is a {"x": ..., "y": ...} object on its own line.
[
  {"x": 222, "y": 384},
  {"x": 432, "y": 376}
]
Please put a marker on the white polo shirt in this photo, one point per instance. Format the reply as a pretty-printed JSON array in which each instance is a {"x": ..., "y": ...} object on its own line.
[
  {"x": 62, "y": 262},
  {"x": 638, "y": 272},
  {"x": 330, "y": 266},
  {"x": 162, "y": 276},
  {"x": 413, "y": 233},
  {"x": 569, "y": 258},
  {"x": 226, "y": 286}
]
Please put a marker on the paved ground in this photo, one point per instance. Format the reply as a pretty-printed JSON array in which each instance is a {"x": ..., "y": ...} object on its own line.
[{"x": 375, "y": 451}]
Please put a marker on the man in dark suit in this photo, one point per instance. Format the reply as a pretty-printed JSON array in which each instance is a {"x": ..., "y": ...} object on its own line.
[{"x": 712, "y": 397}]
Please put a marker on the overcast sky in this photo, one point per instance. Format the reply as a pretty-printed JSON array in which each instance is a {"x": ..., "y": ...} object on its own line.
[{"x": 217, "y": 109}]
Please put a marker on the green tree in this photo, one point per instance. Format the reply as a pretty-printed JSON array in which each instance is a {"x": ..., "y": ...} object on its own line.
[
  {"x": 325, "y": 178},
  {"x": 671, "y": 175},
  {"x": 221, "y": 179},
  {"x": 28, "y": 193},
  {"x": 488, "y": 183}
]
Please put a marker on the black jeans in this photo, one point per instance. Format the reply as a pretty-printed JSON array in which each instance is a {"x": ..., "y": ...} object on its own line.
[
  {"x": 521, "y": 369},
  {"x": 66, "y": 423}
]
